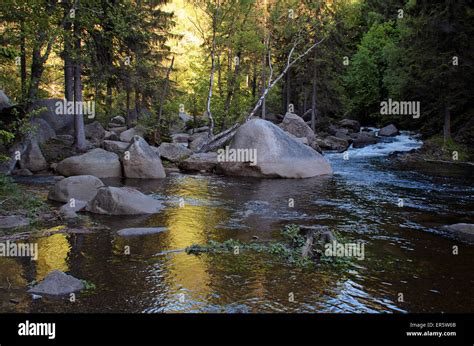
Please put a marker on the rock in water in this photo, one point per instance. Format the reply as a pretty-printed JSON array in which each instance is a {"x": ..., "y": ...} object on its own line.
[
  {"x": 350, "y": 124},
  {"x": 57, "y": 283},
  {"x": 142, "y": 162},
  {"x": 295, "y": 125},
  {"x": 122, "y": 201},
  {"x": 80, "y": 187},
  {"x": 388, "y": 131},
  {"x": 200, "y": 162},
  {"x": 277, "y": 154},
  {"x": 97, "y": 162},
  {"x": 363, "y": 139},
  {"x": 173, "y": 152},
  {"x": 131, "y": 232},
  {"x": 463, "y": 231},
  {"x": 33, "y": 158}
]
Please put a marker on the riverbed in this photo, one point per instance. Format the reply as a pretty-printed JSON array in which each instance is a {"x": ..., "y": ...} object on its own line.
[{"x": 408, "y": 266}]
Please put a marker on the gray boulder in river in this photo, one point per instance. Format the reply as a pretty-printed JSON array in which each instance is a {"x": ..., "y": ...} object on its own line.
[
  {"x": 462, "y": 231},
  {"x": 80, "y": 187},
  {"x": 295, "y": 125},
  {"x": 278, "y": 155},
  {"x": 141, "y": 161},
  {"x": 97, "y": 162},
  {"x": 57, "y": 283},
  {"x": 173, "y": 152},
  {"x": 122, "y": 201},
  {"x": 388, "y": 131}
]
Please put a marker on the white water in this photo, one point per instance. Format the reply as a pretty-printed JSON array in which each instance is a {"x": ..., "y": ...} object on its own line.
[{"x": 403, "y": 142}]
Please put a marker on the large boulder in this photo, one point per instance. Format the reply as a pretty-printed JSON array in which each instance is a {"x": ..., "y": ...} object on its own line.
[
  {"x": 97, "y": 162},
  {"x": 388, "y": 131},
  {"x": 43, "y": 131},
  {"x": 352, "y": 125},
  {"x": 173, "y": 152},
  {"x": 200, "y": 162},
  {"x": 363, "y": 139},
  {"x": 142, "y": 162},
  {"x": 333, "y": 143},
  {"x": 126, "y": 136},
  {"x": 277, "y": 154},
  {"x": 122, "y": 201},
  {"x": 116, "y": 147},
  {"x": 462, "y": 231},
  {"x": 33, "y": 158},
  {"x": 80, "y": 187},
  {"x": 294, "y": 124},
  {"x": 57, "y": 283},
  {"x": 95, "y": 131},
  {"x": 61, "y": 123}
]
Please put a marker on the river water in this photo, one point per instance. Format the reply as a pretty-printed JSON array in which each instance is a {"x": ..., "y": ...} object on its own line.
[{"x": 409, "y": 265}]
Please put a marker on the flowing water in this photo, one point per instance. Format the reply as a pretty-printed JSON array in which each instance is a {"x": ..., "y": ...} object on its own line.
[{"x": 409, "y": 265}]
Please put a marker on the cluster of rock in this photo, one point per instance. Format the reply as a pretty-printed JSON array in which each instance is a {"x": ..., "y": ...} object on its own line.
[
  {"x": 289, "y": 150},
  {"x": 88, "y": 193}
]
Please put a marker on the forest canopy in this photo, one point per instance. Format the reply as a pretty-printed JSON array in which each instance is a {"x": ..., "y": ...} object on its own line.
[{"x": 150, "y": 60}]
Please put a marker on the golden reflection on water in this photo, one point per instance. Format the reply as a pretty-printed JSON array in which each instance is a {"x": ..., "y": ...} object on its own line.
[
  {"x": 187, "y": 225},
  {"x": 52, "y": 254}
]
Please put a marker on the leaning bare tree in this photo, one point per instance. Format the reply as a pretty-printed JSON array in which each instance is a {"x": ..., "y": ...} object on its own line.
[{"x": 219, "y": 139}]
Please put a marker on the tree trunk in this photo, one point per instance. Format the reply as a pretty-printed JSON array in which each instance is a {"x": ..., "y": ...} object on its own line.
[
  {"x": 108, "y": 98},
  {"x": 288, "y": 90},
  {"x": 137, "y": 102},
  {"x": 264, "y": 82},
  {"x": 23, "y": 60},
  {"x": 165, "y": 89},
  {"x": 254, "y": 82},
  {"x": 211, "y": 77},
  {"x": 37, "y": 69},
  {"x": 79, "y": 134},
  {"x": 230, "y": 91},
  {"x": 313, "y": 96},
  {"x": 68, "y": 63},
  {"x": 127, "y": 91}
]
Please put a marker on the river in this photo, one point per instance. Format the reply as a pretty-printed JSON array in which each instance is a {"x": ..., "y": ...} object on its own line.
[{"x": 409, "y": 265}]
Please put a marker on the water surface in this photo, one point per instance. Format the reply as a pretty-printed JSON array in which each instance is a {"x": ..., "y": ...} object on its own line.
[{"x": 405, "y": 250}]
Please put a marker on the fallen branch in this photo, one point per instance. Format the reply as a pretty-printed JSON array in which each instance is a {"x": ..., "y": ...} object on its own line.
[{"x": 221, "y": 138}]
